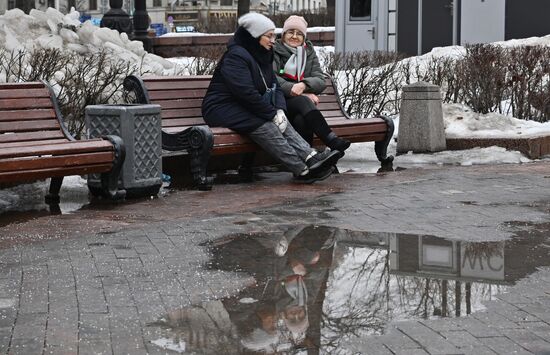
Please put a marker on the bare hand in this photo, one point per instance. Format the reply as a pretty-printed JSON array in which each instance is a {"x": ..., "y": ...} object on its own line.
[
  {"x": 313, "y": 98},
  {"x": 297, "y": 89}
]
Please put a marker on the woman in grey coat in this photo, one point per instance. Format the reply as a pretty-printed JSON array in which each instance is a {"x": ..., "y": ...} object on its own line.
[{"x": 301, "y": 79}]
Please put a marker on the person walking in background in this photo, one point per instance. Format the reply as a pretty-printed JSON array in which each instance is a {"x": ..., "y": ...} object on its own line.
[
  {"x": 301, "y": 79},
  {"x": 243, "y": 96}
]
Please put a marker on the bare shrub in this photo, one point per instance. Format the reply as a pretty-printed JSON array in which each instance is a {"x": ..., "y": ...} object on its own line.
[
  {"x": 371, "y": 78},
  {"x": 313, "y": 19},
  {"x": 206, "y": 60},
  {"x": 90, "y": 80},
  {"x": 528, "y": 75},
  {"x": 482, "y": 77},
  {"x": 12, "y": 64},
  {"x": 218, "y": 25},
  {"x": 78, "y": 80}
]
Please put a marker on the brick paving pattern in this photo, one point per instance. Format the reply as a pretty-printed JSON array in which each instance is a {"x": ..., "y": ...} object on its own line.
[{"x": 95, "y": 290}]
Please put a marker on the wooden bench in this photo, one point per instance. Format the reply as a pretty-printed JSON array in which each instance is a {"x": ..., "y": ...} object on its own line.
[
  {"x": 184, "y": 130},
  {"x": 35, "y": 144}
]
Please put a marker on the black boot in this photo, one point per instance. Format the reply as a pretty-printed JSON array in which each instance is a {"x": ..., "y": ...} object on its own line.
[
  {"x": 319, "y": 125},
  {"x": 337, "y": 143}
]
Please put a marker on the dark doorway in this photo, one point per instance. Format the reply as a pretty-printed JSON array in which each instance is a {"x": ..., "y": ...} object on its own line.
[
  {"x": 437, "y": 24},
  {"x": 407, "y": 28},
  {"x": 526, "y": 18}
]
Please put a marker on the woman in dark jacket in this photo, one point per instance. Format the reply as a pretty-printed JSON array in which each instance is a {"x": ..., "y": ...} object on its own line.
[
  {"x": 235, "y": 99},
  {"x": 301, "y": 79}
]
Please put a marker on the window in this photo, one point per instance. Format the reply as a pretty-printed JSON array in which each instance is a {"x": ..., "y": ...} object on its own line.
[
  {"x": 93, "y": 5},
  {"x": 157, "y": 3},
  {"x": 11, "y": 4},
  {"x": 226, "y": 2},
  {"x": 360, "y": 10}
]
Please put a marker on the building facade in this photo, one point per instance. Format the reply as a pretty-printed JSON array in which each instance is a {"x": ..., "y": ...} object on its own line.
[
  {"x": 182, "y": 12},
  {"x": 416, "y": 26}
]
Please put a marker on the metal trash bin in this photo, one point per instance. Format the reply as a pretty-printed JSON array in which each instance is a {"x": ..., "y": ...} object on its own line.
[{"x": 139, "y": 126}]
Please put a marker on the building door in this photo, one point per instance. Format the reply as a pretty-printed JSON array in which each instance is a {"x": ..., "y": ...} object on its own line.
[
  {"x": 360, "y": 23},
  {"x": 437, "y": 24}
]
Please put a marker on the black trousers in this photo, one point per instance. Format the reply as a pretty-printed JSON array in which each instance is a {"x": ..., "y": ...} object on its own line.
[{"x": 307, "y": 119}]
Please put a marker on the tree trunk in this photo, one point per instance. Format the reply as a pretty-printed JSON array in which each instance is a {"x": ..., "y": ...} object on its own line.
[
  {"x": 330, "y": 7},
  {"x": 243, "y": 7},
  {"x": 25, "y": 5}
]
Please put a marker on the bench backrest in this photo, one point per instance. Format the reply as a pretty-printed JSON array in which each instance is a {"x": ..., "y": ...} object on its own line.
[
  {"x": 29, "y": 114},
  {"x": 181, "y": 97}
]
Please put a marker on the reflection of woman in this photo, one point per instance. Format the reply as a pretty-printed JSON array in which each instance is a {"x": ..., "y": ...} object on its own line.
[
  {"x": 290, "y": 273},
  {"x": 301, "y": 80},
  {"x": 236, "y": 99}
]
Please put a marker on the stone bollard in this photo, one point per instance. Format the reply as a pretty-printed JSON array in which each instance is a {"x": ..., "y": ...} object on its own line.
[{"x": 421, "y": 127}]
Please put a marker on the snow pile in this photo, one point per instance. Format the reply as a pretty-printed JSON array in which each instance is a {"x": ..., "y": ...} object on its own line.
[
  {"x": 51, "y": 29},
  {"x": 462, "y": 122}
]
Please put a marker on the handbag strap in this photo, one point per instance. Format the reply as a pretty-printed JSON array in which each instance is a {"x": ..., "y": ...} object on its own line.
[{"x": 262, "y": 75}]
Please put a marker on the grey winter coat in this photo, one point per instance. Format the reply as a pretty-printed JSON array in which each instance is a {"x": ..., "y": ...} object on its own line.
[{"x": 314, "y": 78}]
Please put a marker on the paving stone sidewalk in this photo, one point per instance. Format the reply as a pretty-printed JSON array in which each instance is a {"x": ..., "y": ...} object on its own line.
[{"x": 90, "y": 291}]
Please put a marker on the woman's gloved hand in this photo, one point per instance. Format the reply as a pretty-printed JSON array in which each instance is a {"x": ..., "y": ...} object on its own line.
[{"x": 280, "y": 120}]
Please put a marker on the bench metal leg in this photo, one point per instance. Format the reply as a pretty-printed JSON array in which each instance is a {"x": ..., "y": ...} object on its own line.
[
  {"x": 381, "y": 147},
  {"x": 52, "y": 198},
  {"x": 198, "y": 140},
  {"x": 109, "y": 180},
  {"x": 245, "y": 169}
]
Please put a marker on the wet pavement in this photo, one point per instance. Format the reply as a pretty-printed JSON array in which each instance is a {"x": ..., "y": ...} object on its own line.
[{"x": 441, "y": 260}]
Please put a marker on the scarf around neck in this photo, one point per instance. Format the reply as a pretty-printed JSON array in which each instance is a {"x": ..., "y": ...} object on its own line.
[{"x": 296, "y": 64}]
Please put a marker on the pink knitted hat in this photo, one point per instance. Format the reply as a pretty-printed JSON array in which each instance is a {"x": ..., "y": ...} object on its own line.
[{"x": 295, "y": 23}]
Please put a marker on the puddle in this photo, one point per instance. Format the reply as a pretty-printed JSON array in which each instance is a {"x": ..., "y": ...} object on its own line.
[{"x": 319, "y": 287}]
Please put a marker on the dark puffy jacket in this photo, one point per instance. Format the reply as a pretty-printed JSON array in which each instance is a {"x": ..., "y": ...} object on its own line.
[
  {"x": 314, "y": 78},
  {"x": 234, "y": 97}
]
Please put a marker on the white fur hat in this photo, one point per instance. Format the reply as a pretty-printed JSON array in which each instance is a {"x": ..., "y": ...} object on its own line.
[{"x": 256, "y": 24}]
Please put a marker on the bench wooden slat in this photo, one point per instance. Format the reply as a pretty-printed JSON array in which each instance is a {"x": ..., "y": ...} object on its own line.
[
  {"x": 372, "y": 137},
  {"x": 26, "y": 126},
  {"x": 35, "y": 174},
  {"x": 178, "y": 85},
  {"x": 73, "y": 147},
  {"x": 231, "y": 139},
  {"x": 61, "y": 161},
  {"x": 178, "y": 103},
  {"x": 30, "y": 136},
  {"x": 190, "y": 112},
  {"x": 23, "y": 115},
  {"x": 234, "y": 149},
  {"x": 30, "y": 92},
  {"x": 34, "y": 143},
  {"x": 25, "y": 103},
  {"x": 325, "y": 106},
  {"x": 183, "y": 94},
  {"x": 182, "y": 122},
  {"x": 357, "y": 130}
]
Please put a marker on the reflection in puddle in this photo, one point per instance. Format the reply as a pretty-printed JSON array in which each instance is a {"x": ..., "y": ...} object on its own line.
[{"x": 318, "y": 287}]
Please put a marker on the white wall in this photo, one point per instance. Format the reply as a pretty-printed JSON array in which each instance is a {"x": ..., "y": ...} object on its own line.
[{"x": 482, "y": 21}]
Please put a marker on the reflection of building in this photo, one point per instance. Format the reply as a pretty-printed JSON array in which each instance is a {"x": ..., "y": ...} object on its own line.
[
  {"x": 183, "y": 12},
  {"x": 488, "y": 262}
]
